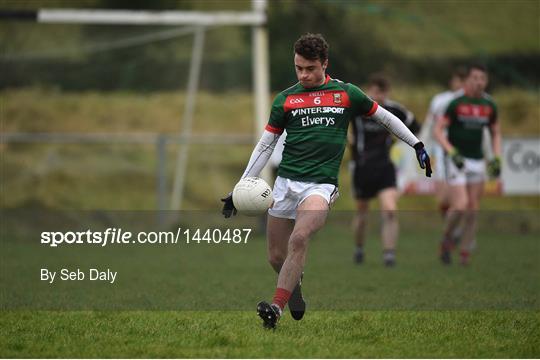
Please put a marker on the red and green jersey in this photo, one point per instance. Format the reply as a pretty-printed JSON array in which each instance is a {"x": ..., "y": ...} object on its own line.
[
  {"x": 316, "y": 121},
  {"x": 468, "y": 116}
]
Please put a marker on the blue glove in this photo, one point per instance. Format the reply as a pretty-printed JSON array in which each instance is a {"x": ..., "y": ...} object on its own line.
[
  {"x": 228, "y": 206},
  {"x": 423, "y": 158}
]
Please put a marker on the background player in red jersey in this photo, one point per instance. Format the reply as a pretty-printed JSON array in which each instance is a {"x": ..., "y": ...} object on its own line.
[
  {"x": 465, "y": 118},
  {"x": 315, "y": 112},
  {"x": 373, "y": 173}
]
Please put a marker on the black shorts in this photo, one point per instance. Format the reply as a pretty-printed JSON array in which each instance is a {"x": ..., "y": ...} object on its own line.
[{"x": 368, "y": 181}]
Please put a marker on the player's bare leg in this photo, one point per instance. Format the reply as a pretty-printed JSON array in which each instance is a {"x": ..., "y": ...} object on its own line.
[
  {"x": 278, "y": 232},
  {"x": 390, "y": 225},
  {"x": 442, "y": 191},
  {"x": 443, "y": 198},
  {"x": 360, "y": 221},
  {"x": 311, "y": 216},
  {"x": 458, "y": 205},
  {"x": 474, "y": 193}
]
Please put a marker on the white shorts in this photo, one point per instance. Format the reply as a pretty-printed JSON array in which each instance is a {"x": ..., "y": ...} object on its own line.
[
  {"x": 289, "y": 194},
  {"x": 473, "y": 172}
]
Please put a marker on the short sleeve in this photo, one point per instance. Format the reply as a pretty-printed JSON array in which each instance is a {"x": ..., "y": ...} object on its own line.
[
  {"x": 361, "y": 103},
  {"x": 277, "y": 123}
]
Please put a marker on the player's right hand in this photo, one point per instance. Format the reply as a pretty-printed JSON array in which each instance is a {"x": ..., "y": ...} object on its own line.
[
  {"x": 458, "y": 159},
  {"x": 494, "y": 167},
  {"x": 423, "y": 158},
  {"x": 228, "y": 206}
]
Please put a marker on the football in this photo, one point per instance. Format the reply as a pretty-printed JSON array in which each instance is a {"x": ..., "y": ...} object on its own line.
[{"x": 252, "y": 196}]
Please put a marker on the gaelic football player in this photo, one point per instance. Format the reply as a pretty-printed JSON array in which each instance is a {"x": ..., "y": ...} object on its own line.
[
  {"x": 315, "y": 112},
  {"x": 465, "y": 119},
  {"x": 373, "y": 173},
  {"x": 437, "y": 108}
]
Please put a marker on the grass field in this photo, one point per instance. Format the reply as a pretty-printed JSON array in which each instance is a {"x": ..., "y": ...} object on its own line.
[
  {"x": 121, "y": 176},
  {"x": 203, "y": 298},
  {"x": 198, "y": 301},
  {"x": 230, "y": 334}
]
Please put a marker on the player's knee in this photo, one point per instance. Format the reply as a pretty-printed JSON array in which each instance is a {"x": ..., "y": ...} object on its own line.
[
  {"x": 388, "y": 215},
  {"x": 361, "y": 219},
  {"x": 473, "y": 205},
  {"x": 457, "y": 210},
  {"x": 362, "y": 213},
  {"x": 459, "y": 205},
  {"x": 298, "y": 241},
  {"x": 276, "y": 259}
]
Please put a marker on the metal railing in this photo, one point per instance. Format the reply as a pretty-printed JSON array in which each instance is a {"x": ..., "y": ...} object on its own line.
[{"x": 159, "y": 140}]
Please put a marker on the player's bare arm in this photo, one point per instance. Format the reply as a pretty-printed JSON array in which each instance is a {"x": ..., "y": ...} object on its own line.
[
  {"x": 438, "y": 132},
  {"x": 495, "y": 130}
]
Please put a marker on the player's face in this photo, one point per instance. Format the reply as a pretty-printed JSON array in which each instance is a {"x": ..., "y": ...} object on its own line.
[
  {"x": 310, "y": 73},
  {"x": 476, "y": 82},
  {"x": 377, "y": 94}
]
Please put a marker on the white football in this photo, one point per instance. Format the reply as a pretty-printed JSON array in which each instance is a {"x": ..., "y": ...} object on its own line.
[{"x": 252, "y": 195}]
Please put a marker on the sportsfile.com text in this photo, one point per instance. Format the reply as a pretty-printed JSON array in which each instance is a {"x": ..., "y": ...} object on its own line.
[{"x": 118, "y": 236}]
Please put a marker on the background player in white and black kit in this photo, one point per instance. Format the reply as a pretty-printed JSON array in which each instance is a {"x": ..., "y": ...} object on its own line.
[
  {"x": 373, "y": 173},
  {"x": 437, "y": 108}
]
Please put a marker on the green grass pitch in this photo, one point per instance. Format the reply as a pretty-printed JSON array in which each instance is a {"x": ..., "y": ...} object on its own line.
[
  {"x": 233, "y": 334},
  {"x": 418, "y": 309}
]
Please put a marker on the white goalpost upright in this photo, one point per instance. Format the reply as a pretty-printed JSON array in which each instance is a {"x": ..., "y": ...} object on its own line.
[
  {"x": 261, "y": 76},
  {"x": 200, "y": 21},
  {"x": 177, "y": 194},
  {"x": 261, "y": 86}
]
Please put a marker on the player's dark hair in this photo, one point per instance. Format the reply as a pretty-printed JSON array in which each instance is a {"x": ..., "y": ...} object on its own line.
[
  {"x": 460, "y": 72},
  {"x": 312, "y": 47},
  {"x": 476, "y": 66},
  {"x": 380, "y": 81}
]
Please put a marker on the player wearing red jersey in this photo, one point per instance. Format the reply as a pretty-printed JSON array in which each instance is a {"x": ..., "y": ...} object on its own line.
[
  {"x": 465, "y": 118},
  {"x": 315, "y": 112}
]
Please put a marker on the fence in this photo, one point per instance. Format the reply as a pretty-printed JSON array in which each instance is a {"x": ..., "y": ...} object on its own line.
[{"x": 160, "y": 141}]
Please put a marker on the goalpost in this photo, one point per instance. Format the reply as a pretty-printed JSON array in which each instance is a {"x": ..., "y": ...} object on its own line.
[{"x": 199, "y": 21}]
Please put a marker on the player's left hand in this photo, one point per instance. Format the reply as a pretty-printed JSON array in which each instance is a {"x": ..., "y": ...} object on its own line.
[
  {"x": 423, "y": 158},
  {"x": 228, "y": 206},
  {"x": 494, "y": 167}
]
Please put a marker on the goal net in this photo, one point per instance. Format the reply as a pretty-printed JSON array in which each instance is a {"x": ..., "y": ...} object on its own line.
[{"x": 130, "y": 109}]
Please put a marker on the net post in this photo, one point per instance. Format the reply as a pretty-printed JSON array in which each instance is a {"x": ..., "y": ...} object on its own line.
[
  {"x": 191, "y": 97},
  {"x": 261, "y": 81}
]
